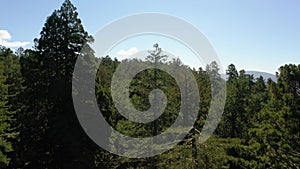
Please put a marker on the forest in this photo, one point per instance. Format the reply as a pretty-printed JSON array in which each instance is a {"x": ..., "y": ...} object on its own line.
[{"x": 39, "y": 129}]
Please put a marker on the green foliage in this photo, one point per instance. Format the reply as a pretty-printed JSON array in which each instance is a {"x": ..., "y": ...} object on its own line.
[
  {"x": 10, "y": 80},
  {"x": 260, "y": 127},
  {"x": 4, "y": 118},
  {"x": 50, "y": 134},
  {"x": 192, "y": 154},
  {"x": 273, "y": 140},
  {"x": 237, "y": 113}
]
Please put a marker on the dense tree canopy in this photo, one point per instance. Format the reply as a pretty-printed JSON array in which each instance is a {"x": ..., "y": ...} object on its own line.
[{"x": 260, "y": 127}]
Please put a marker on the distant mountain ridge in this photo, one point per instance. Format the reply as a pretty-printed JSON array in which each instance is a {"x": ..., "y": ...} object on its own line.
[
  {"x": 257, "y": 74},
  {"x": 265, "y": 75}
]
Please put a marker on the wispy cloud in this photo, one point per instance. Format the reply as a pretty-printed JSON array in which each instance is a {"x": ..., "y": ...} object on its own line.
[
  {"x": 128, "y": 52},
  {"x": 5, "y": 36}
]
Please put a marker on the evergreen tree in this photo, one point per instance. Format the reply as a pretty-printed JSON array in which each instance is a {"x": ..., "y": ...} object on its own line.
[
  {"x": 10, "y": 85},
  {"x": 236, "y": 117},
  {"x": 5, "y": 145},
  {"x": 273, "y": 139},
  {"x": 50, "y": 132}
]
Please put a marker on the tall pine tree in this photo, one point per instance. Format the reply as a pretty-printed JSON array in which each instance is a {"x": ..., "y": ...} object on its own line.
[{"x": 51, "y": 136}]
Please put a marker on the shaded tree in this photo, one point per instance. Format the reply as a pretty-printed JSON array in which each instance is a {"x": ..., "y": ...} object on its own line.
[{"x": 50, "y": 132}]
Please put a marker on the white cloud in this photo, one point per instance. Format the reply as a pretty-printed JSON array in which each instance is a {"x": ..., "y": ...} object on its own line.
[
  {"x": 129, "y": 52},
  {"x": 4, "y": 36}
]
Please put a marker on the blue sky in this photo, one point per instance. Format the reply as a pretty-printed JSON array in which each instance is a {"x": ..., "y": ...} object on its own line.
[{"x": 254, "y": 35}]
